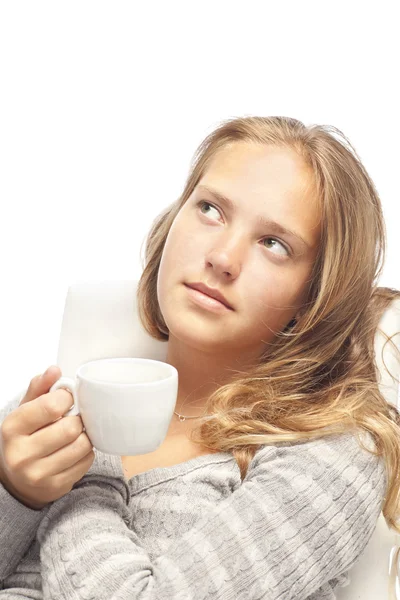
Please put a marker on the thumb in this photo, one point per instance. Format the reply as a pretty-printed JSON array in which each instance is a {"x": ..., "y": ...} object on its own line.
[{"x": 41, "y": 384}]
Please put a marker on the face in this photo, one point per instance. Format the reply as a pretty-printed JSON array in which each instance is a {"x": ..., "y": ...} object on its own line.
[{"x": 263, "y": 273}]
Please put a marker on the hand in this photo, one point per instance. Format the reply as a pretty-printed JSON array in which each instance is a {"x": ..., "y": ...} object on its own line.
[{"x": 42, "y": 453}]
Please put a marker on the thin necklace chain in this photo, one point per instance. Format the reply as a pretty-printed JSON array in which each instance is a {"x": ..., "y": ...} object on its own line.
[{"x": 183, "y": 418}]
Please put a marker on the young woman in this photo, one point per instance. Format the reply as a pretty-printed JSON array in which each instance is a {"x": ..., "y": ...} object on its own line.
[{"x": 282, "y": 452}]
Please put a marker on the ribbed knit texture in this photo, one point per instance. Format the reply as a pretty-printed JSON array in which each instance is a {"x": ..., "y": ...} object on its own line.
[{"x": 193, "y": 531}]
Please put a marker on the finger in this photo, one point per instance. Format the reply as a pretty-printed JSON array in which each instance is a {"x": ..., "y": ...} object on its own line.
[
  {"x": 38, "y": 413},
  {"x": 41, "y": 384},
  {"x": 55, "y": 436},
  {"x": 66, "y": 456},
  {"x": 74, "y": 473}
]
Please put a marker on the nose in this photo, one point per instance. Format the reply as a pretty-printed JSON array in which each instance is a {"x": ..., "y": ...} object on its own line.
[{"x": 226, "y": 259}]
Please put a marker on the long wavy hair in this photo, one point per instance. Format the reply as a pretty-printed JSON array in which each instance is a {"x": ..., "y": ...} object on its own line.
[{"x": 319, "y": 376}]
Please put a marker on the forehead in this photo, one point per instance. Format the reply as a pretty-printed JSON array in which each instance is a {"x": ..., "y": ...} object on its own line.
[
  {"x": 274, "y": 182},
  {"x": 261, "y": 167}
]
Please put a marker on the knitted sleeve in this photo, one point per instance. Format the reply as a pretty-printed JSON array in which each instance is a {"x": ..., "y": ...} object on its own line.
[
  {"x": 302, "y": 516},
  {"x": 18, "y": 523}
]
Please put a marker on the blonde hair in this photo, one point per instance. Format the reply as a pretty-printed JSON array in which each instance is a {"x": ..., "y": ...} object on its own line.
[{"x": 318, "y": 376}]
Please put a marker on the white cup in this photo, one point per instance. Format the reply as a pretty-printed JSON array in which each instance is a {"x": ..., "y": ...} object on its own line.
[{"x": 126, "y": 404}]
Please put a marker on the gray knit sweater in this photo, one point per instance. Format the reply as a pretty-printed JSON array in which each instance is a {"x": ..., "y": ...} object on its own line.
[{"x": 192, "y": 531}]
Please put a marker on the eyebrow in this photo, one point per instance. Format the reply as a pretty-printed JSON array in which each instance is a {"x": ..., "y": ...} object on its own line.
[{"x": 268, "y": 223}]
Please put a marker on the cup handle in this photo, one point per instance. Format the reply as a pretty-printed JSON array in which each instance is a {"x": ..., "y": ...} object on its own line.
[{"x": 70, "y": 385}]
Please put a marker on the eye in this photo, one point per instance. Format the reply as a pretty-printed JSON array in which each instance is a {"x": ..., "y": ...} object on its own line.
[
  {"x": 202, "y": 204},
  {"x": 280, "y": 243}
]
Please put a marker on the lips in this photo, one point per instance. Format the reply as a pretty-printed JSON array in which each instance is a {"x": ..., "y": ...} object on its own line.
[{"x": 212, "y": 292}]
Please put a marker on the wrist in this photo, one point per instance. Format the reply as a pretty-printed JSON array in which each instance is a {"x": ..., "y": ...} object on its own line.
[{"x": 7, "y": 485}]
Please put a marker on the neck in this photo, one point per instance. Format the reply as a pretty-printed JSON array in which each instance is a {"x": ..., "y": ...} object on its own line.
[{"x": 200, "y": 375}]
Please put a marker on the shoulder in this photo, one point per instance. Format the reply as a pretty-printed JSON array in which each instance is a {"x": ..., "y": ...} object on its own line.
[{"x": 334, "y": 462}]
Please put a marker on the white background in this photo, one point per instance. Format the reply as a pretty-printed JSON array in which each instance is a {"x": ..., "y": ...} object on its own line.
[{"x": 104, "y": 103}]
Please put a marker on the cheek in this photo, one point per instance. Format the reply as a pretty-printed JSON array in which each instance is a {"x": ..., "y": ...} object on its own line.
[
  {"x": 187, "y": 249},
  {"x": 176, "y": 264},
  {"x": 274, "y": 301}
]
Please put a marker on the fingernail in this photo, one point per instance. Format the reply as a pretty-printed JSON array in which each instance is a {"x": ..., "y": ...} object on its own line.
[{"x": 45, "y": 373}]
